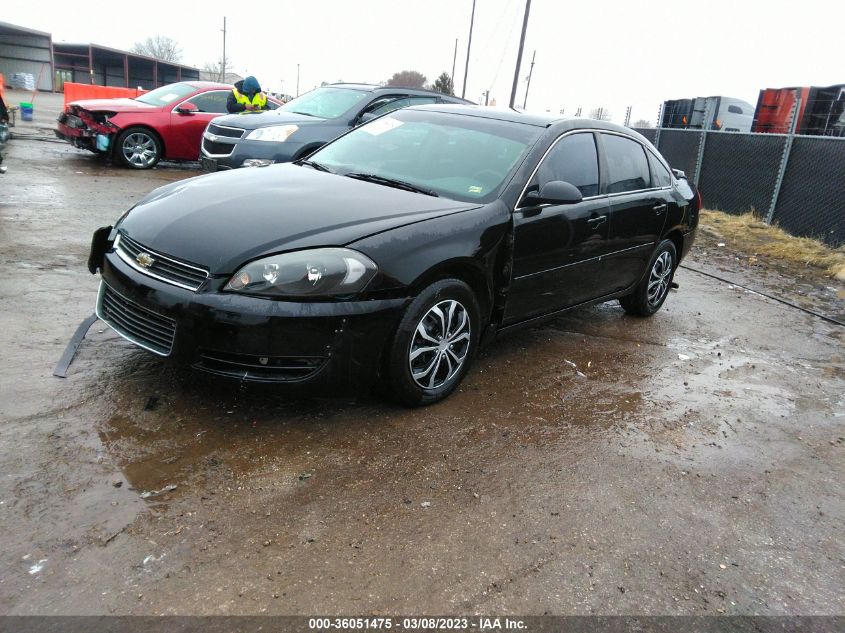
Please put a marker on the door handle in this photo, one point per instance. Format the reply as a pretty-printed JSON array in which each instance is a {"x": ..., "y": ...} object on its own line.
[
  {"x": 660, "y": 208},
  {"x": 597, "y": 222}
]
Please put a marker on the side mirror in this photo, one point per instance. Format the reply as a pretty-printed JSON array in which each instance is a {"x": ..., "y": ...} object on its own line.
[
  {"x": 187, "y": 108},
  {"x": 555, "y": 192},
  {"x": 679, "y": 174}
]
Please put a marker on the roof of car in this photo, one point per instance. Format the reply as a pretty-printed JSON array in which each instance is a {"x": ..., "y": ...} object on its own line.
[
  {"x": 207, "y": 84},
  {"x": 526, "y": 118},
  {"x": 409, "y": 90}
]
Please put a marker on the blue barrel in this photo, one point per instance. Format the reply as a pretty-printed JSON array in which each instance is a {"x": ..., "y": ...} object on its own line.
[{"x": 26, "y": 111}]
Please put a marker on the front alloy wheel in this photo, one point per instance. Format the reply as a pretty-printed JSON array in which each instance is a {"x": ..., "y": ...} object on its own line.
[
  {"x": 440, "y": 344},
  {"x": 434, "y": 343},
  {"x": 138, "y": 148}
]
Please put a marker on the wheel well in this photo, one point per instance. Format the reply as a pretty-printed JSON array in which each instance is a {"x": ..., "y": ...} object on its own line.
[
  {"x": 148, "y": 129},
  {"x": 467, "y": 273},
  {"x": 678, "y": 241}
]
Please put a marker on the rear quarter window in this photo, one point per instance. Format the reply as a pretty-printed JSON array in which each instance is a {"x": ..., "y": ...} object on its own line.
[{"x": 660, "y": 176}]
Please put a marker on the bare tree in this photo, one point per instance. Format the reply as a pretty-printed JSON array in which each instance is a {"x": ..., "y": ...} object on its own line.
[
  {"x": 444, "y": 84},
  {"x": 215, "y": 69},
  {"x": 600, "y": 114},
  {"x": 407, "y": 79},
  {"x": 642, "y": 123},
  {"x": 159, "y": 46}
]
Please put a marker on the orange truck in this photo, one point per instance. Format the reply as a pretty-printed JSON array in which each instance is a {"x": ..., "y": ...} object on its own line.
[{"x": 821, "y": 110}]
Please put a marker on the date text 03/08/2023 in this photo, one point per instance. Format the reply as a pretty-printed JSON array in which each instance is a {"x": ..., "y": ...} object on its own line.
[{"x": 417, "y": 624}]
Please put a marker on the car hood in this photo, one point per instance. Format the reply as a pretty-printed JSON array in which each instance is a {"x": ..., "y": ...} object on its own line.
[
  {"x": 112, "y": 105},
  {"x": 222, "y": 220},
  {"x": 256, "y": 120}
]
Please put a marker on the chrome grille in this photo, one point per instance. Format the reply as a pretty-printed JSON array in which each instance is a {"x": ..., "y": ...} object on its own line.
[
  {"x": 163, "y": 267},
  {"x": 221, "y": 130},
  {"x": 143, "y": 327},
  {"x": 217, "y": 149}
]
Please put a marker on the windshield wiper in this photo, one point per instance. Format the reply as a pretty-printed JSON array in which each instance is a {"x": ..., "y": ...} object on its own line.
[
  {"x": 302, "y": 113},
  {"x": 311, "y": 163},
  {"x": 392, "y": 182}
]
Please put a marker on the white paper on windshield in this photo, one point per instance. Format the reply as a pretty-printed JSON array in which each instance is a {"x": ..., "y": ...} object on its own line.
[
  {"x": 170, "y": 96},
  {"x": 382, "y": 125}
]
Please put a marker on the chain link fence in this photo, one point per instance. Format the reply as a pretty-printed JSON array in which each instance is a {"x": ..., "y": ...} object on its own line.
[{"x": 795, "y": 181}]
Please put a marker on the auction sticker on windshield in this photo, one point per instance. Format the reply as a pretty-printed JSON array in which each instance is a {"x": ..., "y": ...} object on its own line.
[{"x": 382, "y": 125}]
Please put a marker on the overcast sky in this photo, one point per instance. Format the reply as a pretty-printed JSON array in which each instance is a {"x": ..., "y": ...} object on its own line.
[{"x": 609, "y": 53}]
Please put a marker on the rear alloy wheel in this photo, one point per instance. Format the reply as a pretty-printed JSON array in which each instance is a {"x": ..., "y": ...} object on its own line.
[
  {"x": 138, "y": 148},
  {"x": 434, "y": 343},
  {"x": 652, "y": 291}
]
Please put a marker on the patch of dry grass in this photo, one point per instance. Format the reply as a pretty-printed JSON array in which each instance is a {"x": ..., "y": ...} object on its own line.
[{"x": 749, "y": 232}]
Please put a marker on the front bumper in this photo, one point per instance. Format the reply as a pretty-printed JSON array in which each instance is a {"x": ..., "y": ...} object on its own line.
[
  {"x": 248, "y": 338},
  {"x": 81, "y": 137}
]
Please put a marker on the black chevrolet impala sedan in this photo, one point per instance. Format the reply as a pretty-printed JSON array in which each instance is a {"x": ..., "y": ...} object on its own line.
[{"x": 393, "y": 252}]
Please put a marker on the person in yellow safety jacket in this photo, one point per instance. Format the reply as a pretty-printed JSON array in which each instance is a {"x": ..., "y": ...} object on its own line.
[{"x": 246, "y": 96}]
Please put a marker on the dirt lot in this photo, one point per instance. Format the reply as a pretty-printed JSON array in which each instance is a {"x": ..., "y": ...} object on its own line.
[{"x": 691, "y": 463}]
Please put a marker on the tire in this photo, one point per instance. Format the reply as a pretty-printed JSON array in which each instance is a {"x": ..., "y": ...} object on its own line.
[
  {"x": 653, "y": 289},
  {"x": 138, "y": 148},
  {"x": 422, "y": 366}
]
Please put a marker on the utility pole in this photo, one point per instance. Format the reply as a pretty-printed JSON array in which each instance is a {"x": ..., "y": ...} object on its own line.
[
  {"x": 297, "y": 80},
  {"x": 530, "y": 72},
  {"x": 519, "y": 54},
  {"x": 469, "y": 46},
  {"x": 454, "y": 59},
  {"x": 223, "y": 63}
]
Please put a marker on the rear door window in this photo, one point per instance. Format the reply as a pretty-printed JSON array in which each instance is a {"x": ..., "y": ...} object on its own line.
[
  {"x": 627, "y": 165},
  {"x": 412, "y": 101},
  {"x": 573, "y": 159},
  {"x": 380, "y": 107}
]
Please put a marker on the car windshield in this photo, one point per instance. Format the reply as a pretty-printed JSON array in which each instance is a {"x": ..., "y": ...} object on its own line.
[
  {"x": 461, "y": 157},
  {"x": 326, "y": 103},
  {"x": 166, "y": 94}
]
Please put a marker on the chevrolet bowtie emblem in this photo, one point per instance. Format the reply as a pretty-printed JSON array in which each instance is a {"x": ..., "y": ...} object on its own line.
[
  {"x": 145, "y": 260},
  {"x": 212, "y": 138}
]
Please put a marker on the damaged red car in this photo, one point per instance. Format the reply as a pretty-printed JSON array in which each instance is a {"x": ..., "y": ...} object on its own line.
[{"x": 164, "y": 124}]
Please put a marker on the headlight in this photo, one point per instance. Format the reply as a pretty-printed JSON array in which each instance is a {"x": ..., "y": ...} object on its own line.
[
  {"x": 277, "y": 133},
  {"x": 317, "y": 272}
]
